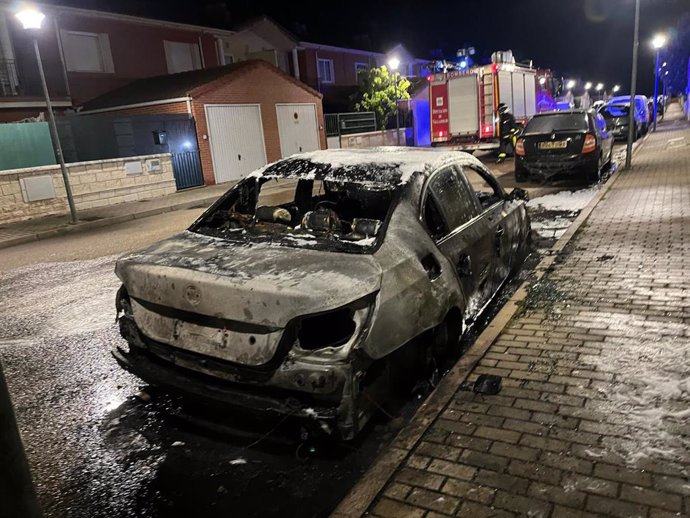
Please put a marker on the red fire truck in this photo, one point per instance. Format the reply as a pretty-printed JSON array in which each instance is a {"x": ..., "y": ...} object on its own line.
[{"x": 464, "y": 103}]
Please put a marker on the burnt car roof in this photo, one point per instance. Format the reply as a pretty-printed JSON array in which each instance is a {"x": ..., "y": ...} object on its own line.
[{"x": 376, "y": 167}]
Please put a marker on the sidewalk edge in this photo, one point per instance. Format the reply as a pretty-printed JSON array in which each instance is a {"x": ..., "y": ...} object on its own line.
[
  {"x": 105, "y": 222},
  {"x": 365, "y": 491}
]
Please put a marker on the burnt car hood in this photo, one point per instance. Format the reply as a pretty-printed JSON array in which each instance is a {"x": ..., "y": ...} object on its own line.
[{"x": 262, "y": 284}]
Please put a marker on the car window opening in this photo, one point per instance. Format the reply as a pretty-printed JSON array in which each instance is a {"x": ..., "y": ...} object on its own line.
[{"x": 301, "y": 212}]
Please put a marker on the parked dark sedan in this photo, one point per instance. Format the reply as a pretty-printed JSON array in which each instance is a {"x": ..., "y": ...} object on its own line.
[
  {"x": 617, "y": 117},
  {"x": 573, "y": 143}
]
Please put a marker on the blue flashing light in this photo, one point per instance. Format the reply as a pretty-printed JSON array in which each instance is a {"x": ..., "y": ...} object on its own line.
[{"x": 463, "y": 64}]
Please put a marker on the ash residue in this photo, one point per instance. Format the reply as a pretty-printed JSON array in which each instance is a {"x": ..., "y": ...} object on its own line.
[{"x": 545, "y": 295}]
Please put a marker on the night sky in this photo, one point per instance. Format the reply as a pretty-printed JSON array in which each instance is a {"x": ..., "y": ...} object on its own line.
[{"x": 587, "y": 39}]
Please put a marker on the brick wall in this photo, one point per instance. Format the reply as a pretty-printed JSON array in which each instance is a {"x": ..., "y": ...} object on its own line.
[
  {"x": 137, "y": 50},
  {"x": 264, "y": 86},
  {"x": 94, "y": 184}
]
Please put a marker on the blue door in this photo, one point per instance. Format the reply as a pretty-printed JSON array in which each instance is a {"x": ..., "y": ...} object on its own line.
[{"x": 187, "y": 169}]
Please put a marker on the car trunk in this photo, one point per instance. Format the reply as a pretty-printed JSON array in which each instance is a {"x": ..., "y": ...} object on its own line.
[
  {"x": 233, "y": 301},
  {"x": 553, "y": 146}
]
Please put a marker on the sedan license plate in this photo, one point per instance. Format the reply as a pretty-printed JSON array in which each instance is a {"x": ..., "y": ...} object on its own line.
[{"x": 557, "y": 144}]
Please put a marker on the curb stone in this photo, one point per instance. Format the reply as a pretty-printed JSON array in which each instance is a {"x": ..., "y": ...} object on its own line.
[{"x": 364, "y": 492}]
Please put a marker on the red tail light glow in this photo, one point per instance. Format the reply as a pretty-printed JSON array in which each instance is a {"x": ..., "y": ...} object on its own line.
[
  {"x": 589, "y": 145},
  {"x": 520, "y": 147}
]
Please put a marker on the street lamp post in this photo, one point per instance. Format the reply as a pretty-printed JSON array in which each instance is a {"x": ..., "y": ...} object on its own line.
[
  {"x": 31, "y": 20},
  {"x": 394, "y": 63},
  {"x": 658, "y": 42},
  {"x": 633, "y": 80}
]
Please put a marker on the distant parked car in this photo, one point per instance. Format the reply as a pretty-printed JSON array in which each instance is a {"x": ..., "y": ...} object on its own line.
[
  {"x": 574, "y": 143},
  {"x": 642, "y": 111},
  {"x": 304, "y": 289},
  {"x": 617, "y": 118}
]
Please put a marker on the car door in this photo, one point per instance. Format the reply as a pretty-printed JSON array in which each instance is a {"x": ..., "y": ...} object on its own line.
[
  {"x": 501, "y": 219},
  {"x": 450, "y": 213}
]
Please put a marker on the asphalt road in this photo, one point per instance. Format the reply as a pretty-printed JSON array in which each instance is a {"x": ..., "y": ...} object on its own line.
[{"x": 97, "y": 449}]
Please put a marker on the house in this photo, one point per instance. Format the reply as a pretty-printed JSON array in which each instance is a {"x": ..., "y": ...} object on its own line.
[
  {"x": 246, "y": 114},
  {"x": 86, "y": 53}
]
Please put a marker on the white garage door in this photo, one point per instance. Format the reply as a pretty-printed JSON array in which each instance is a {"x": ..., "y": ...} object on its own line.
[
  {"x": 236, "y": 137},
  {"x": 298, "y": 128}
]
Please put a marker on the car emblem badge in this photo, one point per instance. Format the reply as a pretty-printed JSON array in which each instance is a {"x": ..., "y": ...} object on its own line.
[{"x": 192, "y": 295}]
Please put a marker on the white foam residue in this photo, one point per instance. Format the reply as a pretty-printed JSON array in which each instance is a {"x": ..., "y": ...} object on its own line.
[
  {"x": 564, "y": 200},
  {"x": 408, "y": 160}
]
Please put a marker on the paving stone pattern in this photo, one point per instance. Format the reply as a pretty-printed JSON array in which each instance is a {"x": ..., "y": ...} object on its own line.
[{"x": 594, "y": 415}]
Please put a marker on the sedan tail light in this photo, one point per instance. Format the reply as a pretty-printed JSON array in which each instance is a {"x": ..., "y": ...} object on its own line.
[
  {"x": 590, "y": 144},
  {"x": 520, "y": 147}
]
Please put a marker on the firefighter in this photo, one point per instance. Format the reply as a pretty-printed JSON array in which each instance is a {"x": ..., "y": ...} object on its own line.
[{"x": 509, "y": 130}]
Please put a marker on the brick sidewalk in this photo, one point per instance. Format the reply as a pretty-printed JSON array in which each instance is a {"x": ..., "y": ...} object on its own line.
[{"x": 594, "y": 418}]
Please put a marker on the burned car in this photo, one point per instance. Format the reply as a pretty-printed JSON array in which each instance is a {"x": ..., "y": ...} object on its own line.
[{"x": 306, "y": 287}]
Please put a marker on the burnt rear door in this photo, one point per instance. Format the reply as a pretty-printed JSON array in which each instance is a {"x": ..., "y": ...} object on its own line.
[{"x": 452, "y": 217}]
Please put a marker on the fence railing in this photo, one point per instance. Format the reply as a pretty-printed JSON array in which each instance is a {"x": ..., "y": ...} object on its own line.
[
  {"x": 9, "y": 79},
  {"x": 348, "y": 123}
]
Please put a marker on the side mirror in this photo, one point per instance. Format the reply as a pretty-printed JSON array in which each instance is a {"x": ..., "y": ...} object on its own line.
[{"x": 518, "y": 194}]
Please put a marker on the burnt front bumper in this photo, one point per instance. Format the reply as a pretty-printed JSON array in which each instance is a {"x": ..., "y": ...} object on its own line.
[{"x": 190, "y": 374}]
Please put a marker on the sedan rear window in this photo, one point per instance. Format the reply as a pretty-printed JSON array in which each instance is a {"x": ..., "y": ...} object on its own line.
[
  {"x": 557, "y": 122},
  {"x": 302, "y": 212},
  {"x": 612, "y": 111}
]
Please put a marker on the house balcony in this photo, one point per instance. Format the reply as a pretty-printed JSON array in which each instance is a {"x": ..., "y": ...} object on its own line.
[{"x": 20, "y": 83}]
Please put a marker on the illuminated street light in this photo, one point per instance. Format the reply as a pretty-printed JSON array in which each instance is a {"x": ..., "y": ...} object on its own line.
[
  {"x": 32, "y": 19},
  {"x": 542, "y": 81},
  {"x": 571, "y": 84},
  {"x": 394, "y": 63},
  {"x": 616, "y": 88},
  {"x": 599, "y": 87},
  {"x": 658, "y": 43},
  {"x": 588, "y": 85}
]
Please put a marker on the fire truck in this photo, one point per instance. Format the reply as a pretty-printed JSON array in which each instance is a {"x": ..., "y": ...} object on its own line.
[{"x": 464, "y": 102}]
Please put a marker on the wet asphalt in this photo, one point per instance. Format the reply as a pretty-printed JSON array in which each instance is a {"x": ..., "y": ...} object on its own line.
[{"x": 101, "y": 444}]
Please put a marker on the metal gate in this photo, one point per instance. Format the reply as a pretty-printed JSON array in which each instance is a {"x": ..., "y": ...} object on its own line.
[{"x": 187, "y": 169}]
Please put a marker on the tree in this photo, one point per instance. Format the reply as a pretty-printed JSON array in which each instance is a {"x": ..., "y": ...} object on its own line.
[{"x": 379, "y": 91}]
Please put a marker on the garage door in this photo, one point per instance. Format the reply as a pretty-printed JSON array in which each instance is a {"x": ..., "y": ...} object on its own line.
[
  {"x": 298, "y": 128},
  {"x": 236, "y": 137}
]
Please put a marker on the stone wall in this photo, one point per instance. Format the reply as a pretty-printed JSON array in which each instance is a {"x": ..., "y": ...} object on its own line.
[{"x": 94, "y": 184}]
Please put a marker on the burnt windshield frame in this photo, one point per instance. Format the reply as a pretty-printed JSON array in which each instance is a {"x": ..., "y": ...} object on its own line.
[{"x": 545, "y": 124}]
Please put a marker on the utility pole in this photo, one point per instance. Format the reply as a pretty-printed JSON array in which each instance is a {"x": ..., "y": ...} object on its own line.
[{"x": 633, "y": 81}]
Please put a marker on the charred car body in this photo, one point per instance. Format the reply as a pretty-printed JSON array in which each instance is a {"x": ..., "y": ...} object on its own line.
[{"x": 298, "y": 290}]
